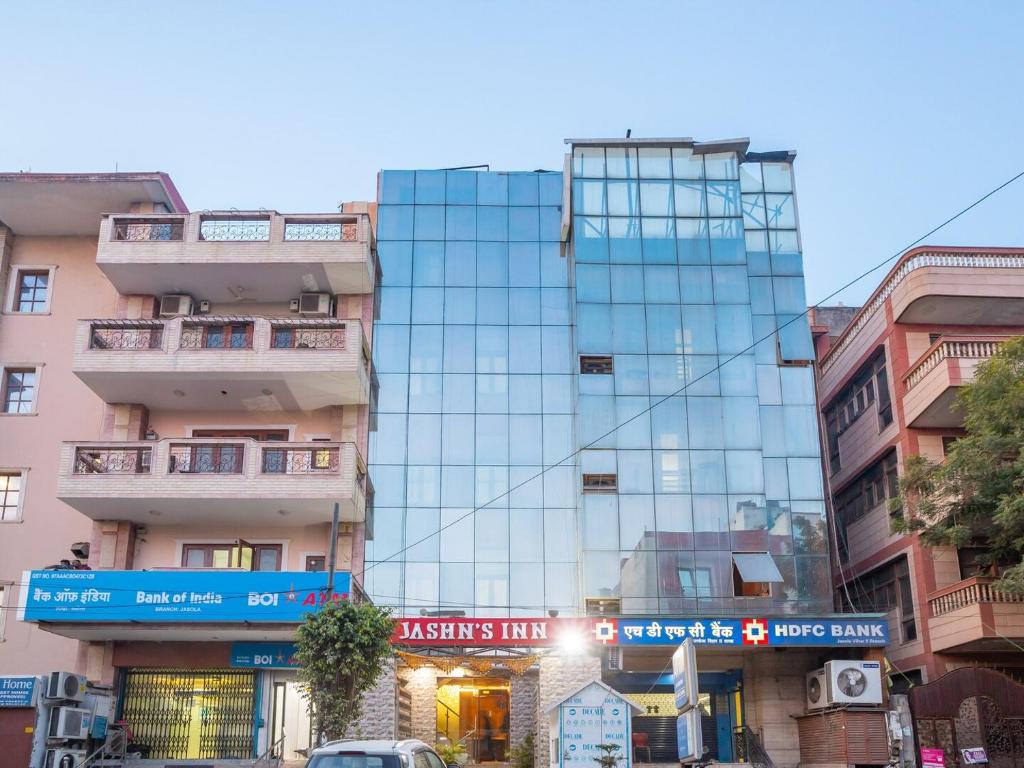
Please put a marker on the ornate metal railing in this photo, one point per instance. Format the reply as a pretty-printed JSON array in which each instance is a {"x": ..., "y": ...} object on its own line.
[
  {"x": 236, "y": 230},
  {"x": 216, "y": 334},
  {"x": 321, "y": 230},
  {"x": 142, "y": 230},
  {"x": 980, "y": 260},
  {"x": 127, "y": 336},
  {"x": 206, "y": 458},
  {"x": 977, "y": 347},
  {"x": 299, "y": 461},
  {"x": 113, "y": 461},
  {"x": 971, "y": 591},
  {"x": 749, "y": 748},
  {"x": 307, "y": 337}
]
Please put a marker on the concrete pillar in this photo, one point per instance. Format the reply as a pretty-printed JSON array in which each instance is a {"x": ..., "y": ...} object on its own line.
[
  {"x": 125, "y": 421},
  {"x": 112, "y": 546},
  {"x": 560, "y": 675}
]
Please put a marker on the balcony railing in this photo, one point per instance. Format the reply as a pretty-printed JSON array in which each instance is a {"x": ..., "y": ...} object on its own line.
[
  {"x": 131, "y": 460},
  {"x": 971, "y": 347},
  {"x": 979, "y": 260},
  {"x": 145, "y": 230},
  {"x": 126, "y": 335},
  {"x": 206, "y": 459},
  {"x": 241, "y": 227},
  {"x": 969, "y": 592},
  {"x": 216, "y": 333},
  {"x": 234, "y": 230},
  {"x": 299, "y": 461},
  {"x": 324, "y": 336}
]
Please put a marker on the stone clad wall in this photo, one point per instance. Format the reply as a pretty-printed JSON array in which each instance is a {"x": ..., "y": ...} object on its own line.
[
  {"x": 559, "y": 676},
  {"x": 523, "y": 706},
  {"x": 378, "y": 716},
  {"x": 422, "y": 687}
]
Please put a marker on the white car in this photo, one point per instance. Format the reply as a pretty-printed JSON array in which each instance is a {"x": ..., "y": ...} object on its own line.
[{"x": 349, "y": 753}]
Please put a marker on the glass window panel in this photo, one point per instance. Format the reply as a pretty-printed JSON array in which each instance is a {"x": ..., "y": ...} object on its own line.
[
  {"x": 559, "y": 535},
  {"x": 459, "y": 349},
  {"x": 459, "y": 306},
  {"x": 491, "y": 393},
  {"x": 524, "y": 394},
  {"x": 389, "y": 525},
  {"x": 430, "y": 187},
  {"x": 524, "y": 349},
  {"x": 686, "y": 165},
  {"x": 391, "y": 397},
  {"x": 553, "y": 270},
  {"x": 736, "y": 376},
  {"x": 491, "y": 534},
  {"x": 668, "y": 424},
  {"x": 492, "y": 188},
  {"x": 492, "y": 486},
  {"x": 560, "y": 585},
  {"x": 396, "y": 261},
  {"x": 492, "y": 223},
  {"x": 425, "y": 393},
  {"x": 461, "y": 187},
  {"x": 425, "y": 349},
  {"x": 621, "y": 162},
  {"x": 723, "y": 198},
  {"x": 458, "y": 435},
  {"x": 804, "y": 478},
  {"x": 656, "y": 198},
  {"x": 695, "y": 285},
  {"x": 394, "y": 305},
  {"x": 659, "y": 244},
  {"x": 762, "y": 301},
  {"x": 554, "y": 306},
  {"x": 705, "y": 422},
  {"x": 667, "y": 373},
  {"x": 776, "y": 481},
  {"x": 601, "y": 573},
  {"x": 707, "y": 471},
  {"x": 764, "y": 335},
  {"x": 527, "y": 486},
  {"x": 721, "y": 165},
  {"x": 802, "y": 438},
  {"x": 699, "y": 329},
  {"x": 633, "y": 421},
  {"x": 750, "y": 177},
  {"x": 423, "y": 486},
  {"x": 588, "y": 198},
  {"x": 395, "y": 222},
  {"x": 491, "y": 349},
  {"x": 781, "y": 211},
  {"x": 427, "y": 306},
  {"x": 655, "y": 162},
  {"x": 588, "y": 161},
  {"x": 701, "y": 375},
  {"x": 391, "y": 491},
  {"x": 661, "y": 284},
  {"x": 671, "y": 472},
  {"x": 560, "y": 487},
  {"x": 754, "y": 215},
  {"x": 636, "y": 522},
  {"x": 629, "y": 328},
  {"x": 789, "y": 295},
  {"x": 396, "y": 187},
  {"x": 711, "y": 532},
  {"x": 550, "y": 223},
  {"x": 627, "y": 284},
  {"x": 522, "y": 189},
  {"x": 527, "y": 545},
  {"x": 460, "y": 264},
  {"x": 558, "y": 434},
  {"x": 692, "y": 244},
  {"x": 492, "y": 264},
  {"x": 634, "y": 474},
  {"x": 624, "y": 245},
  {"x": 773, "y": 429},
  {"x": 592, "y": 283},
  {"x": 769, "y": 391},
  {"x": 421, "y": 585},
  {"x": 674, "y": 515},
  {"x": 597, "y": 420},
  {"x": 795, "y": 338},
  {"x": 429, "y": 222},
  {"x": 631, "y": 374},
  {"x": 734, "y": 328},
  {"x": 458, "y": 394},
  {"x": 623, "y": 198},
  {"x": 778, "y": 177},
  {"x": 457, "y": 481},
  {"x": 558, "y": 394},
  {"x": 527, "y": 588},
  {"x": 491, "y": 439},
  {"x": 664, "y": 329},
  {"x": 600, "y": 521},
  {"x": 743, "y": 471},
  {"x": 524, "y": 306},
  {"x": 460, "y": 222},
  {"x": 456, "y": 582},
  {"x": 428, "y": 263},
  {"x": 550, "y": 192},
  {"x": 797, "y": 385},
  {"x": 492, "y": 306},
  {"x": 690, "y": 199},
  {"x": 556, "y": 349},
  {"x": 391, "y": 350},
  {"x": 491, "y": 585},
  {"x": 590, "y": 238},
  {"x": 727, "y": 242},
  {"x": 421, "y": 537},
  {"x": 523, "y": 223},
  {"x": 594, "y": 328},
  {"x": 526, "y": 435},
  {"x": 731, "y": 286}
]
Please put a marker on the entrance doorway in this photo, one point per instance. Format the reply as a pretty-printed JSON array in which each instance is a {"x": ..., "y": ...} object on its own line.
[
  {"x": 474, "y": 711},
  {"x": 290, "y": 727}
]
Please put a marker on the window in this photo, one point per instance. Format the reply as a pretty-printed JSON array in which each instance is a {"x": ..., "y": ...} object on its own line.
[
  {"x": 239, "y": 554},
  {"x": 870, "y": 383},
  {"x": 316, "y": 563},
  {"x": 606, "y": 483},
  {"x": 695, "y": 582},
  {"x": 31, "y": 293},
  {"x": 947, "y": 444},
  {"x": 3, "y": 606},
  {"x": 754, "y": 573},
  {"x": 887, "y": 589},
  {"x": 596, "y": 364},
  {"x": 227, "y": 336},
  {"x": 876, "y": 485},
  {"x": 19, "y": 390},
  {"x": 10, "y": 496}
]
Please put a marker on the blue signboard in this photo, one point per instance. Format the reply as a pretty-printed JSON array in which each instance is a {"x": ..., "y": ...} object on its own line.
[
  {"x": 751, "y": 632},
  {"x": 17, "y": 691},
  {"x": 117, "y": 596},
  {"x": 263, "y": 655}
]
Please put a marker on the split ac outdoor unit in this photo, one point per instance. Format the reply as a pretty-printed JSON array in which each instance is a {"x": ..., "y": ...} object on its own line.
[
  {"x": 853, "y": 682},
  {"x": 816, "y": 689},
  {"x": 65, "y": 685},
  {"x": 315, "y": 304},
  {"x": 69, "y": 723},
  {"x": 174, "y": 304},
  {"x": 65, "y": 758}
]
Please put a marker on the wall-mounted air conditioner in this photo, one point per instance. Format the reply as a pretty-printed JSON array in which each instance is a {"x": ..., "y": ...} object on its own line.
[
  {"x": 816, "y": 689},
  {"x": 854, "y": 682},
  {"x": 69, "y": 723},
  {"x": 65, "y": 758},
  {"x": 315, "y": 304},
  {"x": 174, "y": 304},
  {"x": 66, "y": 686}
]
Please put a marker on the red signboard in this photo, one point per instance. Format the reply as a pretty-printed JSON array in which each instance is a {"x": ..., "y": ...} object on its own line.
[{"x": 504, "y": 632}]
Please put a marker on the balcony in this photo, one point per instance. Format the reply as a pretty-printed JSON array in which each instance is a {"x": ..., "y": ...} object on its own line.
[
  {"x": 225, "y": 363},
  {"x": 213, "y": 481},
  {"x": 972, "y": 615},
  {"x": 931, "y": 385},
  {"x": 225, "y": 257}
]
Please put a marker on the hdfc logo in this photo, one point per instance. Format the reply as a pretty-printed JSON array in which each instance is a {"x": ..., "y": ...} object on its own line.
[
  {"x": 606, "y": 631},
  {"x": 755, "y": 632}
]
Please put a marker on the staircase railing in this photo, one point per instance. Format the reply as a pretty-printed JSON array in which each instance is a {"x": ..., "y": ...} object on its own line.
[{"x": 749, "y": 748}]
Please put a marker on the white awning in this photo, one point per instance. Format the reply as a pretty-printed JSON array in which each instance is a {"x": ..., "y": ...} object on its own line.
[{"x": 756, "y": 566}]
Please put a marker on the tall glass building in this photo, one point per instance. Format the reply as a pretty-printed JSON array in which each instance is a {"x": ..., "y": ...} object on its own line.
[{"x": 631, "y": 342}]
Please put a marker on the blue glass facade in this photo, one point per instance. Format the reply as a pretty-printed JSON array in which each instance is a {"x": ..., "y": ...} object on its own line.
[{"x": 678, "y": 262}]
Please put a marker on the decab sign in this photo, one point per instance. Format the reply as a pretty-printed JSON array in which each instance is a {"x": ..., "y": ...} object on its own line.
[{"x": 148, "y": 596}]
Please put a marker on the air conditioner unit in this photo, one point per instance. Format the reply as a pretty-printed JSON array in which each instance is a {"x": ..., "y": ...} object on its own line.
[
  {"x": 853, "y": 682},
  {"x": 815, "y": 690},
  {"x": 174, "y": 304},
  {"x": 315, "y": 304},
  {"x": 65, "y": 758},
  {"x": 65, "y": 685},
  {"x": 69, "y": 723},
  {"x": 204, "y": 307}
]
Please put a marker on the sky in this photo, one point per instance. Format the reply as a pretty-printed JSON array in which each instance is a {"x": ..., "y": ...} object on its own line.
[{"x": 900, "y": 113}]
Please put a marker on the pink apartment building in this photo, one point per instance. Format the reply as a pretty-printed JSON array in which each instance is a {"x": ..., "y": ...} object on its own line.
[
  {"x": 184, "y": 398},
  {"x": 888, "y": 375}
]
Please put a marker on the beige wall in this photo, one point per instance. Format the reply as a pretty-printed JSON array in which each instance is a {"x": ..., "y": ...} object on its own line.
[{"x": 66, "y": 410}]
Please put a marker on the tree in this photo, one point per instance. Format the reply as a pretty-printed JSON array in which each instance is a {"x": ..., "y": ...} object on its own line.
[
  {"x": 342, "y": 651},
  {"x": 976, "y": 497}
]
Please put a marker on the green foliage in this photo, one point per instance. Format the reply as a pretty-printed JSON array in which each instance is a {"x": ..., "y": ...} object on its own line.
[
  {"x": 976, "y": 497},
  {"x": 522, "y": 753},
  {"x": 611, "y": 756},
  {"x": 451, "y": 752},
  {"x": 342, "y": 650}
]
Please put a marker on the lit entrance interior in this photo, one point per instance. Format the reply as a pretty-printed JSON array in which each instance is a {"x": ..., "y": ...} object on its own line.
[
  {"x": 474, "y": 711},
  {"x": 290, "y": 727}
]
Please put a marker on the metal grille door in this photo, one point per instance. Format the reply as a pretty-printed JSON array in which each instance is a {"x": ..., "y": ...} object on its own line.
[{"x": 191, "y": 714}]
